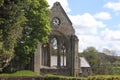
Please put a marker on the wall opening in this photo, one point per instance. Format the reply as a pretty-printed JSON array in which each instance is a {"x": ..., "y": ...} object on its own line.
[{"x": 54, "y": 52}]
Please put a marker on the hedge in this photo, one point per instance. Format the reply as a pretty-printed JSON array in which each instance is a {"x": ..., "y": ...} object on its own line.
[{"x": 110, "y": 77}]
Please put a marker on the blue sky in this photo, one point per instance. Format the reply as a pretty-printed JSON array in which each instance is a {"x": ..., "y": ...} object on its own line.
[{"x": 96, "y": 22}]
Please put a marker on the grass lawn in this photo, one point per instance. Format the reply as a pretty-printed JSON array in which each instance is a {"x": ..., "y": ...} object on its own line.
[{"x": 20, "y": 73}]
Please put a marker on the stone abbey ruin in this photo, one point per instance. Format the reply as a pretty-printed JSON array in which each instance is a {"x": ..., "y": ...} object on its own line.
[{"x": 60, "y": 55}]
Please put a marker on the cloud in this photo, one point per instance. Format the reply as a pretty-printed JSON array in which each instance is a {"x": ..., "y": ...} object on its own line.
[
  {"x": 89, "y": 40},
  {"x": 86, "y": 27},
  {"x": 106, "y": 39},
  {"x": 64, "y": 4},
  {"x": 119, "y": 25},
  {"x": 103, "y": 16},
  {"x": 111, "y": 35},
  {"x": 86, "y": 23},
  {"x": 113, "y": 5},
  {"x": 111, "y": 39}
]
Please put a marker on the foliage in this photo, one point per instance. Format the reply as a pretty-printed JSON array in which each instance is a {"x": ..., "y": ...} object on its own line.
[
  {"x": 91, "y": 54},
  {"x": 23, "y": 23},
  {"x": 20, "y": 73},
  {"x": 54, "y": 77},
  {"x": 11, "y": 22},
  {"x": 106, "y": 77},
  {"x": 109, "y": 52},
  {"x": 37, "y": 29},
  {"x": 101, "y": 64},
  {"x": 1, "y": 2}
]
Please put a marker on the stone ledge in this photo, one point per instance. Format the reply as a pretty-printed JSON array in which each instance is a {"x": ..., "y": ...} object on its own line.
[{"x": 21, "y": 78}]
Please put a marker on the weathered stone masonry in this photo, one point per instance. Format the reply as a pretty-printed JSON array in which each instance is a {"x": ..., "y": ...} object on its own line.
[{"x": 62, "y": 42}]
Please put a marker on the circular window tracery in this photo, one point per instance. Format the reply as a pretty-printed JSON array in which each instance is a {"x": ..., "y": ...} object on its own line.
[{"x": 56, "y": 21}]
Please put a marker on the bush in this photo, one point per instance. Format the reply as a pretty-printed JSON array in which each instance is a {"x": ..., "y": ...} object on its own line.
[
  {"x": 54, "y": 77},
  {"x": 110, "y": 77}
]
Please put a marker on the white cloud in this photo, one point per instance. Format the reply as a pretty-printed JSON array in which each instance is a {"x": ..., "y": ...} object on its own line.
[
  {"x": 64, "y": 4},
  {"x": 103, "y": 16},
  {"x": 111, "y": 35},
  {"x": 119, "y": 25},
  {"x": 113, "y": 5},
  {"x": 86, "y": 23},
  {"x": 107, "y": 39},
  {"x": 87, "y": 26},
  {"x": 111, "y": 39},
  {"x": 89, "y": 40}
]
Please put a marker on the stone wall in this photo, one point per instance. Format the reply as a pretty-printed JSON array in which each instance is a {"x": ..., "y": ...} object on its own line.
[
  {"x": 21, "y": 78},
  {"x": 64, "y": 72},
  {"x": 67, "y": 43},
  {"x": 65, "y": 24}
]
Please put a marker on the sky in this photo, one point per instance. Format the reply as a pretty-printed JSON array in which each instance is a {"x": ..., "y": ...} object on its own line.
[{"x": 96, "y": 22}]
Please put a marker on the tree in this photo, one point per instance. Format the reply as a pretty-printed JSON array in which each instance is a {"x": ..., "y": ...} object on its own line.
[
  {"x": 101, "y": 64},
  {"x": 11, "y": 22},
  {"x": 91, "y": 54},
  {"x": 23, "y": 23},
  {"x": 109, "y": 52},
  {"x": 37, "y": 29}
]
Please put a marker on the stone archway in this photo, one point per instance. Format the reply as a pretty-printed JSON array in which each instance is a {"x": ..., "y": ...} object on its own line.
[
  {"x": 63, "y": 43},
  {"x": 57, "y": 48},
  {"x": 59, "y": 43}
]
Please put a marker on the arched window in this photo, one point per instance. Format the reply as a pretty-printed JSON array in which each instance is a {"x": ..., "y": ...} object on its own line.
[
  {"x": 63, "y": 55},
  {"x": 54, "y": 51},
  {"x": 54, "y": 46},
  {"x": 44, "y": 55},
  {"x": 58, "y": 53}
]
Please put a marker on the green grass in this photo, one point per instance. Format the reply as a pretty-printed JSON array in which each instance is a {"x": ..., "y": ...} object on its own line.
[{"x": 20, "y": 73}]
